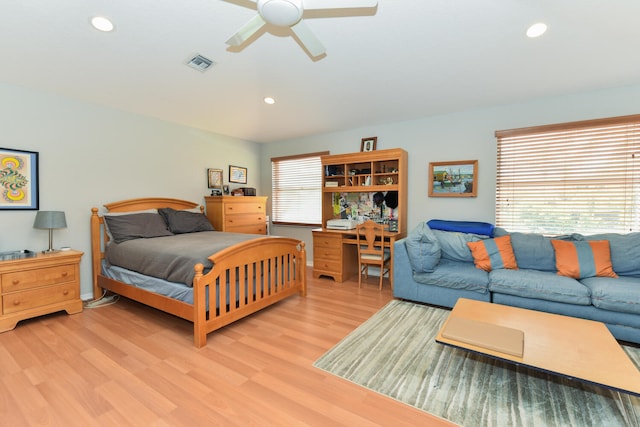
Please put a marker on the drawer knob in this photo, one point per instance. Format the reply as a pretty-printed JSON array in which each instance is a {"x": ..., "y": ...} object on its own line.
[
  {"x": 15, "y": 281},
  {"x": 65, "y": 273},
  {"x": 65, "y": 292},
  {"x": 16, "y": 302}
]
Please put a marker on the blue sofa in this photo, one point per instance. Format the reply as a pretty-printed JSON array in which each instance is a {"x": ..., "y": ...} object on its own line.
[{"x": 437, "y": 267}]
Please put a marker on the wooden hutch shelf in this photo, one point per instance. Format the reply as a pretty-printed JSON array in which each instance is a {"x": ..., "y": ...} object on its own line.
[
  {"x": 346, "y": 175},
  {"x": 366, "y": 172}
]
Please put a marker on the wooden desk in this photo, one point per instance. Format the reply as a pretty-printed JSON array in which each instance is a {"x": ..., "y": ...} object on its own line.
[{"x": 335, "y": 253}]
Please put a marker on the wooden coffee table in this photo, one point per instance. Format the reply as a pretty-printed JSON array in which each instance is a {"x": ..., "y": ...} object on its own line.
[{"x": 563, "y": 345}]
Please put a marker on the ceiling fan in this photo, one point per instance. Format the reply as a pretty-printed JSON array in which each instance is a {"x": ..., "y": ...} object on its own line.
[{"x": 288, "y": 13}]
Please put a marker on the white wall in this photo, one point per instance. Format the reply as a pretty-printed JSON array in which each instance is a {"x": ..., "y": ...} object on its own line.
[
  {"x": 90, "y": 155},
  {"x": 466, "y": 135}
]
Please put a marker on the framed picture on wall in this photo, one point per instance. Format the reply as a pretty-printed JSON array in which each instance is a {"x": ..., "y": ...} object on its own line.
[
  {"x": 214, "y": 178},
  {"x": 453, "y": 179},
  {"x": 369, "y": 144},
  {"x": 237, "y": 174},
  {"x": 18, "y": 179}
]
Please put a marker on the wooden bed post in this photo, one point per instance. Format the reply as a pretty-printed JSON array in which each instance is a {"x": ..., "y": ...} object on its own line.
[
  {"x": 302, "y": 268},
  {"x": 200, "y": 308},
  {"x": 96, "y": 252}
]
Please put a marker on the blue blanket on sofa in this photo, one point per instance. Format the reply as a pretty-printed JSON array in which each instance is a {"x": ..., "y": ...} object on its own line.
[{"x": 474, "y": 227}]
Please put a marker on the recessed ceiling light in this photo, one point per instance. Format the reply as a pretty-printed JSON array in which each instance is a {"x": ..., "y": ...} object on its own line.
[
  {"x": 101, "y": 23},
  {"x": 536, "y": 30},
  {"x": 269, "y": 100}
]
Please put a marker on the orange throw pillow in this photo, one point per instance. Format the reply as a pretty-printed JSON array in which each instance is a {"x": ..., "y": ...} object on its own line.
[
  {"x": 583, "y": 259},
  {"x": 492, "y": 254}
]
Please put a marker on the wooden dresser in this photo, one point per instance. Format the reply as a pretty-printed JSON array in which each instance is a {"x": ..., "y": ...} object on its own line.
[
  {"x": 39, "y": 285},
  {"x": 237, "y": 214}
]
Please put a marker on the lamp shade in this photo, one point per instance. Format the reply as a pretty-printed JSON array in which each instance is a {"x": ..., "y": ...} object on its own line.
[{"x": 50, "y": 219}]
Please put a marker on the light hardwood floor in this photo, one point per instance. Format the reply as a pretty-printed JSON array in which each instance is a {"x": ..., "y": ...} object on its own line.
[{"x": 130, "y": 365}]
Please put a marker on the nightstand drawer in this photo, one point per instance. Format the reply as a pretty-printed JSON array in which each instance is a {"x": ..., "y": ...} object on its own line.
[
  {"x": 19, "y": 301},
  {"x": 29, "y": 279}
]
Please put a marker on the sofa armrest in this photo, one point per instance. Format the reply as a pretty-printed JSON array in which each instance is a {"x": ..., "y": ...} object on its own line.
[{"x": 403, "y": 284}]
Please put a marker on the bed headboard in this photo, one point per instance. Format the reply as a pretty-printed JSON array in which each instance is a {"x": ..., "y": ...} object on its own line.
[
  {"x": 99, "y": 235},
  {"x": 150, "y": 203}
]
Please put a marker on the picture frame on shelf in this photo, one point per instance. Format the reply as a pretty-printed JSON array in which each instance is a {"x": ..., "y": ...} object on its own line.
[
  {"x": 215, "y": 178},
  {"x": 453, "y": 179},
  {"x": 19, "y": 178},
  {"x": 237, "y": 174},
  {"x": 369, "y": 144}
]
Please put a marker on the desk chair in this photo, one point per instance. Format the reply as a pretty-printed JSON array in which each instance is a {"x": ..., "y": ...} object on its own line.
[{"x": 370, "y": 251}]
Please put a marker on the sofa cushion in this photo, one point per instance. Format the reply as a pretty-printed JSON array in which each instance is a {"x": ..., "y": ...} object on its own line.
[
  {"x": 453, "y": 245},
  {"x": 622, "y": 294},
  {"x": 583, "y": 259},
  {"x": 533, "y": 251},
  {"x": 625, "y": 252},
  {"x": 544, "y": 285},
  {"x": 423, "y": 249},
  {"x": 455, "y": 275},
  {"x": 491, "y": 254}
]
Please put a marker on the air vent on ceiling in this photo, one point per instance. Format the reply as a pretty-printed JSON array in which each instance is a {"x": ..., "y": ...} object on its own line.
[{"x": 200, "y": 63}]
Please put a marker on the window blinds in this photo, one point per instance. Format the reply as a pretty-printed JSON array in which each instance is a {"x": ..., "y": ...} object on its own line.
[
  {"x": 573, "y": 177},
  {"x": 297, "y": 189}
]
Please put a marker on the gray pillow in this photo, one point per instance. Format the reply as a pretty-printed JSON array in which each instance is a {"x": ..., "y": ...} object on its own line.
[
  {"x": 423, "y": 249},
  {"x": 136, "y": 226},
  {"x": 454, "y": 244},
  {"x": 180, "y": 222}
]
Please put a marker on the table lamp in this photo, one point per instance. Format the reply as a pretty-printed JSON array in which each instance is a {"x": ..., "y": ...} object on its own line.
[{"x": 50, "y": 220}]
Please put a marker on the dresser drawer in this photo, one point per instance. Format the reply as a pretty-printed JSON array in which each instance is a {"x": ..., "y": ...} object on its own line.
[
  {"x": 245, "y": 219},
  {"x": 247, "y": 229},
  {"x": 19, "y": 301},
  {"x": 325, "y": 241},
  {"x": 28, "y": 279},
  {"x": 243, "y": 208},
  {"x": 326, "y": 253},
  {"x": 326, "y": 266}
]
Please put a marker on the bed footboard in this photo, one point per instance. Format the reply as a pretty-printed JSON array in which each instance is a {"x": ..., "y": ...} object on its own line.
[{"x": 245, "y": 278}]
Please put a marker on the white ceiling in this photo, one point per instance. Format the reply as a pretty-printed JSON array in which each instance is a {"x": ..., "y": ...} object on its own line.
[{"x": 402, "y": 60}]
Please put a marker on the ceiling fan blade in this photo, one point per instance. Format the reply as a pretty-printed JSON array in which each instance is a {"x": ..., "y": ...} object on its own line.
[
  {"x": 249, "y": 29},
  {"x": 338, "y": 4},
  {"x": 308, "y": 39}
]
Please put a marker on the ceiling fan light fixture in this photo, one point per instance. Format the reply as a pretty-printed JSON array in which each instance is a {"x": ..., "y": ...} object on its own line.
[
  {"x": 284, "y": 13},
  {"x": 269, "y": 100},
  {"x": 536, "y": 30},
  {"x": 101, "y": 23}
]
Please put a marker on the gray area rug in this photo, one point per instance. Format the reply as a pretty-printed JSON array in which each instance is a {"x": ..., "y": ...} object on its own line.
[{"x": 394, "y": 353}]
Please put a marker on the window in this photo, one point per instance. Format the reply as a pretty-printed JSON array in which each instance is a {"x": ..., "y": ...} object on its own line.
[
  {"x": 573, "y": 177},
  {"x": 296, "y": 188}
]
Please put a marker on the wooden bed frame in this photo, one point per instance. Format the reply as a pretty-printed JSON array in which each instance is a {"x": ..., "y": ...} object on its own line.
[{"x": 281, "y": 261}]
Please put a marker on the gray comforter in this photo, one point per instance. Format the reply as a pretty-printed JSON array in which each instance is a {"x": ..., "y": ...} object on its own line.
[{"x": 172, "y": 258}]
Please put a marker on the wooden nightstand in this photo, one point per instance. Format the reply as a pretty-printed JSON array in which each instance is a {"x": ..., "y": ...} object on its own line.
[{"x": 43, "y": 284}]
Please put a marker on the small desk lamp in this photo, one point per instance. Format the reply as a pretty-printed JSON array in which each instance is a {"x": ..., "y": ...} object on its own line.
[{"x": 50, "y": 220}]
